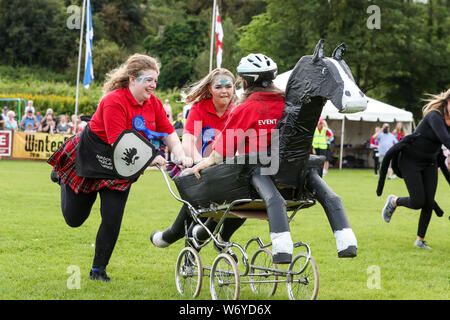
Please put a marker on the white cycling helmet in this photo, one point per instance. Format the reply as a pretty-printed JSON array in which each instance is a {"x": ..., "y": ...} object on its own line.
[{"x": 257, "y": 68}]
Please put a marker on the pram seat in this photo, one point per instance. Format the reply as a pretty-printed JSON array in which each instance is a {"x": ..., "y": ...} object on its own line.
[{"x": 227, "y": 187}]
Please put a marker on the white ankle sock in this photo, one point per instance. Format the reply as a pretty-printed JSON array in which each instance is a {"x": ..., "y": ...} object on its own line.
[
  {"x": 282, "y": 242},
  {"x": 158, "y": 240},
  {"x": 345, "y": 238}
]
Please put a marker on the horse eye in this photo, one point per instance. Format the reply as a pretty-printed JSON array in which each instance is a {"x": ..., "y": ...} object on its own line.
[
  {"x": 324, "y": 70},
  {"x": 347, "y": 93}
]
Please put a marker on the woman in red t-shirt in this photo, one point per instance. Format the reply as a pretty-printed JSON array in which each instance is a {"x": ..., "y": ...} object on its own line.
[
  {"x": 212, "y": 103},
  {"x": 128, "y": 93},
  {"x": 399, "y": 131},
  {"x": 212, "y": 100},
  {"x": 248, "y": 130}
]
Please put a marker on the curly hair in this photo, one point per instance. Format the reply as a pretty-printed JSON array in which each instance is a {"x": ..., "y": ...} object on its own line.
[{"x": 135, "y": 64}]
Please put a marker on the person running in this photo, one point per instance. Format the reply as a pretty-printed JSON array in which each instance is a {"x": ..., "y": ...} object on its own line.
[
  {"x": 128, "y": 93},
  {"x": 255, "y": 118},
  {"x": 211, "y": 100},
  {"x": 418, "y": 164}
]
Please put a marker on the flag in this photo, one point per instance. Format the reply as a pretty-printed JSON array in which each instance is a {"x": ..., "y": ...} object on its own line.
[
  {"x": 219, "y": 38},
  {"x": 88, "y": 67}
]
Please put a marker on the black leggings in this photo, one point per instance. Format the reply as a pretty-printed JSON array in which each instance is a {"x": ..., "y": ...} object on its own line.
[
  {"x": 77, "y": 207},
  {"x": 276, "y": 211},
  {"x": 421, "y": 181}
]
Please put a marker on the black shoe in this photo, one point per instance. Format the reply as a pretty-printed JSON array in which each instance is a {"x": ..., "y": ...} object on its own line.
[
  {"x": 55, "y": 177},
  {"x": 282, "y": 258},
  {"x": 99, "y": 275},
  {"x": 349, "y": 252}
]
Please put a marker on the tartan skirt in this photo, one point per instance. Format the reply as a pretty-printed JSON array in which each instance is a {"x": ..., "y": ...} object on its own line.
[{"x": 63, "y": 162}]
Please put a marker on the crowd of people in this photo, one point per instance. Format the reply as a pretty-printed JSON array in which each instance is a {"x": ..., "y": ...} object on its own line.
[{"x": 34, "y": 121}]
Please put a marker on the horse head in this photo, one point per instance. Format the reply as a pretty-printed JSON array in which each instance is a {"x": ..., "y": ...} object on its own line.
[
  {"x": 328, "y": 77},
  {"x": 314, "y": 79}
]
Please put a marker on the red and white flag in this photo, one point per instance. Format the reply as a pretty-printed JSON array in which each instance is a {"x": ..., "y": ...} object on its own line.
[{"x": 219, "y": 38}]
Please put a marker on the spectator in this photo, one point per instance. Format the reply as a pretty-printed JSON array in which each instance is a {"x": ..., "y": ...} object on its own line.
[
  {"x": 38, "y": 116},
  {"x": 30, "y": 105},
  {"x": 29, "y": 118},
  {"x": 3, "y": 117},
  {"x": 63, "y": 126},
  {"x": 11, "y": 123},
  {"x": 49, "y": 112},
  {"x": 76, "y": 124},
  {"x": 29, "y": 128},
  {"x": 385, "y": 141},
  {"x": 49, "y": 125},
  {"x": 399, "y": 131},
  {"x": 320, "y": 143},
  {"x": 178, "y": 125},
  {"x": 168, "y": 109},
  {"x": 447, "y": 156},
  {"x": 374, "y": 147}
]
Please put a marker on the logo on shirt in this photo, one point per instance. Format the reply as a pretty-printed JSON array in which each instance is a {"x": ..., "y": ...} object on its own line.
[
  {"x": 267, "y": 121},
  {"x": 130, "y": 156}
]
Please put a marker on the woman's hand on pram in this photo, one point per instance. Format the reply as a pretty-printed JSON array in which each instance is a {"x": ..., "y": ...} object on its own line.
[
  {"x": 186, "y": 162},
  {"x": 160, "y": 161},
  {"x": 205, "y": 163}
]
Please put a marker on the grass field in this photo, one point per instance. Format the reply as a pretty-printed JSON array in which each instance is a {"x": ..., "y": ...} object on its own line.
[{"x": 38, "y": 251}]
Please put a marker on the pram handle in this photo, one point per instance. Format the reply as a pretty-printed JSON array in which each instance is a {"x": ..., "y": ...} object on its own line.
[{"x": 170, "y": 188}]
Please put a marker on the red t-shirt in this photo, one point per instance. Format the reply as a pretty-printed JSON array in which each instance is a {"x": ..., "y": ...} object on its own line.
[
  {"x": 250, "y": 125},
  {"x": 117, "y": 110},
  {"x": 201, "y": 115}
]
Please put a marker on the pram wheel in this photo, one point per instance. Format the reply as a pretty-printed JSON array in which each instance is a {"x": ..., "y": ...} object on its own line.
[
  {"x": 261, "y": 269},
  {"x": 189, "y": 272},
  {"x": 225, "y": 283},
  {"x": 303, "y": 278}
]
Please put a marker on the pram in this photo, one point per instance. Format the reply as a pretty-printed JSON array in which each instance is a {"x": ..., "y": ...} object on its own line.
[
  {"x": 314, "y": 79},
  {"x": 301, "y": 276}
]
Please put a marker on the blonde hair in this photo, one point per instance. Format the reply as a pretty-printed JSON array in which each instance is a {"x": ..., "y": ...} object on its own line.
[
  {"x": 401, "y": 130},
  {"x": 437, "y": 102},
  {"x": 200, "y": 90},
  {"x": 135, "y": 64}
]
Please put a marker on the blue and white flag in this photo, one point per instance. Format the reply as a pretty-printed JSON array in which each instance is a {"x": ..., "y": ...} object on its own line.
[{"x": 88, "y": 66}]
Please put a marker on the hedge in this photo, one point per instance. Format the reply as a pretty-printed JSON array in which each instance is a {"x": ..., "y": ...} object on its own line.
[{"x": 86, "y": 105}]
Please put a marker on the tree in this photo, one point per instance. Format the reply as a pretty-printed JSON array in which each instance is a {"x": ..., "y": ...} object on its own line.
[
  {"x": 406, "y": 57},
  {"x": 177, "y": 48},
  {"x": 35, "y": 33}
]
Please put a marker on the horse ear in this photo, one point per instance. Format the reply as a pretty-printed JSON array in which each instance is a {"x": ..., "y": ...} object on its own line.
[
  {"x": 318, "y": 51},
  {"x": 339, "y": 52}
]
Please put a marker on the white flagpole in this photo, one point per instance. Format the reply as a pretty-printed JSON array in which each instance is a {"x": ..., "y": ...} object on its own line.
[
  {"x": 213, "y": 34},
  {"x": 341, "y": 152},
  {"x": 79, "y": 61}
]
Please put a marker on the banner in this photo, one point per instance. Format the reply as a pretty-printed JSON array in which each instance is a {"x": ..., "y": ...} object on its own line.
[
  {"x": 5, "y": 143},
  {"x": 36, "y": 145},
  {"x": 88, "y": 67},
  {"x": 219, "y": 38}
]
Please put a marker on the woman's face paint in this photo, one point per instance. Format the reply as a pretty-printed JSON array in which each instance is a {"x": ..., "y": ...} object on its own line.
[
  {"x": 144, "y": 85},
  {"x": 222, "y": 90}
]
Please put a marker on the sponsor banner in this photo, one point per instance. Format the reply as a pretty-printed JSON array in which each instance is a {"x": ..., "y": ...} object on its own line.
[
  {"x": 39, "y": 145},
  {"x": 5, "y": 143}
]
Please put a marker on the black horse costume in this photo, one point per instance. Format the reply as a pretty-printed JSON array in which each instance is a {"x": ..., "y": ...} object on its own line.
[{"x": 314, "y": 79}]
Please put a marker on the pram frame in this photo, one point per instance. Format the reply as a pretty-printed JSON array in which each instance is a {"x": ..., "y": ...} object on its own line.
[{"x": 224, "y": 211}]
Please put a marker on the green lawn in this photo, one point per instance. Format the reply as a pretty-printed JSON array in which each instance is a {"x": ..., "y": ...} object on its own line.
[{"x": 37, "y": 248}]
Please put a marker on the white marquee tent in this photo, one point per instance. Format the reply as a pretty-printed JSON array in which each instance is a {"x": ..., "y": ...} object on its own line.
[{"x": 356, "y": 128}]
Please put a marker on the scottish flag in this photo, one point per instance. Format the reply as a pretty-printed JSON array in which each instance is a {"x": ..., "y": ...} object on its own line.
[{"x": 88, "y": 67}]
